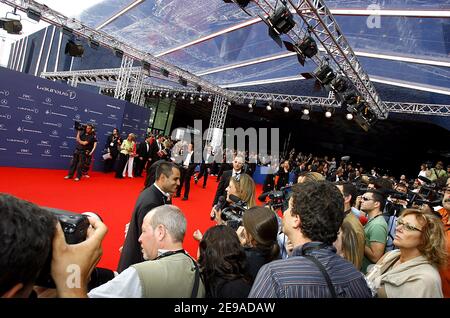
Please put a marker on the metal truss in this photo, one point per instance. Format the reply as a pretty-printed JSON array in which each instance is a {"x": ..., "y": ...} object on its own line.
[
  {"x": 137, "y": 89},
  {"x": 104, "y": 78},
  {"x": 218, "y": 116},
  {"x": 317, "y": 20},
  {"x": 326, "y": 102},
  {"x": 124, "y": 78},
  {"x": 79, "y": 29}
]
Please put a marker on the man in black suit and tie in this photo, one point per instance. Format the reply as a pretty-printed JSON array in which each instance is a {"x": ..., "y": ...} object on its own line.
[
  {"x": 238, "y": 163},
  {"x": 143, "y": 157},
  {"x": 156, "y": 147},
  {"x": 167, "y": 181},
  {"x": 187, "y": 170},
  {"x": 208, "y": 158}
]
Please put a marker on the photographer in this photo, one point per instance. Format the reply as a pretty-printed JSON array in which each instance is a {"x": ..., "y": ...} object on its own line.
[
  {"x": 85, "y": 146},
  {"x": 241, "y": 186},
  {"x": 28, "y": 235}
]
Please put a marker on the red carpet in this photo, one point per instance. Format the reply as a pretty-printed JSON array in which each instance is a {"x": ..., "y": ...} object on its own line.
[{"x": 113, "y": 199}]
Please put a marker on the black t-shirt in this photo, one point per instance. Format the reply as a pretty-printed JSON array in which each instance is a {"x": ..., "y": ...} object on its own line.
[{"x": 90, "y": 138}]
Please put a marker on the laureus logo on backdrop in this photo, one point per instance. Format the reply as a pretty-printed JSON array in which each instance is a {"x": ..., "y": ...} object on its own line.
[{"x": 67, "y": 93}]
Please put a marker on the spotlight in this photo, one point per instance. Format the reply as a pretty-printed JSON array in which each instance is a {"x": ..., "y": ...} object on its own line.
[
  {"x": 164, "y": 72},
  {"x": 349, "y": 116},
  {"x": 200, "y": 98},
  {"x": 167, "y": 95},
  {"x": 93, "y": 44},
  {"x": 74, "y": 49},
  {"x": 250, "y": 105},
  {"x": 160, "y": 94},
  {"x": 287, "y": 108},
  {"x": 146, "y": 65},
  {"x": 183, "y": 96},
  {"x": 339, "y": 84},
  {"x": 209, "y": 99},
  {"x": 34, "y": 15},
  {"x": 228, "y": 103},
  {"x": 11, "y": 26},
  {"x": 269, "y": 107},
  {"x": 306, "y": 48},
  {"x": 328, "y": 114},
  {"x": 118, "y": 53},
  {"x": 192, "y": 97},
  {"x": 182, "y": 81},
  {"x": 241, "y": 3},
  {"x": 282, "y": 20},
  {"x": 305, "y": 111},
  {"x": 324, "y": 74}
]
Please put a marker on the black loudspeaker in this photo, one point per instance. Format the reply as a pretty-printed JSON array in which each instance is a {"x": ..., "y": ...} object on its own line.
[{"x": 74, "y": 49}]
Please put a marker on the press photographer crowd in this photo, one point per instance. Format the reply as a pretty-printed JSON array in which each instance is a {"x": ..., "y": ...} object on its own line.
[{"x": 321, "y": 228}]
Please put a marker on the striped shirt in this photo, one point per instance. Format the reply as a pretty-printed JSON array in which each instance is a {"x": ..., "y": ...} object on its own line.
[{"x": 298, "y": 277}]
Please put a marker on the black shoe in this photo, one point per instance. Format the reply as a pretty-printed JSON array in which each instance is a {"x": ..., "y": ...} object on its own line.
[
  {"x": 176, "y": 196},
  {"x": 204, "y": 187},
  {"x": 184, "y": 199}
]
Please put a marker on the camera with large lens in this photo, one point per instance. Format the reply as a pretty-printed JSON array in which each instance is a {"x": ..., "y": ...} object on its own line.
[
  {"x": 278, "y": 199},
  {"x": 233, "y": 213},
  {"x": 79, "y": 126}
]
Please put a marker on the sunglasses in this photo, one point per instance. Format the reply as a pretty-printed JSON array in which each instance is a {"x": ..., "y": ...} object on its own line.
[
  {"x": 407, "y": 226},
  {"x": 366, "y": 199}
]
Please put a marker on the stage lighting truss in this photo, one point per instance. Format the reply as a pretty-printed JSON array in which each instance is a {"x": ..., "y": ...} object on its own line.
[
  {"x": 314, "y": 19},
  {"x": 121, "y": 49}
]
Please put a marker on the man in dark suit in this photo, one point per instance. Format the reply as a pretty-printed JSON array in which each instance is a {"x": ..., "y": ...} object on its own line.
[
  {"x": 155, "y": 147},
  {"x": 167, "y": 181},
  {"x": 143, "y": 157},
  {"x": 187, "y": 168},
  {"x": 205, "y": 167},
  {"x": 238, "y": 163}
]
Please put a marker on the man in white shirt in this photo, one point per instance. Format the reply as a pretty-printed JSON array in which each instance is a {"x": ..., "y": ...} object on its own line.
[
  {"x": 187, "y": 170},
  {"x": 167, "y": 272}
]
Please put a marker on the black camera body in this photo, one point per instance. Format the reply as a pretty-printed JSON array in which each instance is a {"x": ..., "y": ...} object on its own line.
[
  {"x": 74, "y": 225},
  {"x": 232, "y": 215},
  {"x": 75, "y": 228},
  {"x": 79, "y": 126}
]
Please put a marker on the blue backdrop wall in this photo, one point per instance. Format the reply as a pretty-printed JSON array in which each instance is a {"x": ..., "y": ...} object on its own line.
[{"x": 37, "y": 118}]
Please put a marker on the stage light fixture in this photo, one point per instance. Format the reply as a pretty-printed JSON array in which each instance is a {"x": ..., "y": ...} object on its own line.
[
  {"x": 200, "y": 98},
  {"x": 164, "y": 72},
  {"x": 305, "y": 111},
  {"x": 269, "y": 107},
  {"x": 306, "y": 48},
  {"x": 167, "y": 95},
  {"x": 328, "y": 113},
  {"x": 209, "y": 99},
  {"x": 93, "y": 44},
  {"x": 11, "y": 26},
  {"x": 228, "y": 103},
  {"x": 351, "y": 97},
  {"x": 349, "y": 116},
  {"x": 34, "y": 15},
  {"x": 241, "y": 3},
  {"x": 324, "y": 74},
  {"x": 118, "y": 53},
  {"x": 182, "y": 81},
  {"x": 287, "y": 108},
  {"x": 281, "y": 20},
  {"x": 183, "y": 96},
  {"x": 146, "y": 65},
  {"x": 339, "y": 84},
  {"x": 192, "y": 97},
  {"x": 74, "y": 49}
]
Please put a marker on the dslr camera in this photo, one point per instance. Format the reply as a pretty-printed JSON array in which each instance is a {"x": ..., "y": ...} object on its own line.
[
  {"x": 75, "y": 227},
  {"x": 79, "y": 126}
]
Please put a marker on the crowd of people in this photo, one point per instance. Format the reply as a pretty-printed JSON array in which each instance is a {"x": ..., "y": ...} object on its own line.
[{"x": 340, "y": 231}]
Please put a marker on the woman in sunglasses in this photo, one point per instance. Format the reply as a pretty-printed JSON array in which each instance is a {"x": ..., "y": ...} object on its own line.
[{"x": 412, "y": 270}]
